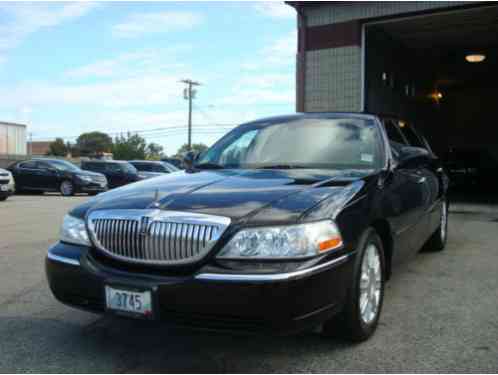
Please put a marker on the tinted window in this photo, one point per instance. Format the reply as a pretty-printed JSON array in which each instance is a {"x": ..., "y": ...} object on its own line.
[
  {"x": 410, "y": 135},
  {"x": 395, "y": 137},
  {"x": 29, "y": 165},
  {"x": 346, "y": 142},
  {"x": 94, "y": 166},
  {"x": 63, "y": 165}
]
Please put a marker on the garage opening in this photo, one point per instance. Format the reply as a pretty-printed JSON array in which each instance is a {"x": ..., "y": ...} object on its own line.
[{"x": 440, "y": 71}]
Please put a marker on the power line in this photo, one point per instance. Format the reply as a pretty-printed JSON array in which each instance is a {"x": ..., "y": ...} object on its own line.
[{"x": 148, "y": 131}]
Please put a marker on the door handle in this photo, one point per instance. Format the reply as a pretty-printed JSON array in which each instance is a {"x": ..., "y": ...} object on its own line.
[{"x": 421, "y": 180}]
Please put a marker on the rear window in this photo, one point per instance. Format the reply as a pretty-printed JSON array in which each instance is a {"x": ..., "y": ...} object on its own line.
[{"x": 29, "y": 165}]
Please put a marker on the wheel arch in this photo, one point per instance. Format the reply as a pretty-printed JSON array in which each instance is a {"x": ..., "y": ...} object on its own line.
[{"x": 383, "y": 229}]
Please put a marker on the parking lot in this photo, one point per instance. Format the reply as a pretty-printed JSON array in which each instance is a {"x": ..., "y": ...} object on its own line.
[{"x": 440, "y": 314}]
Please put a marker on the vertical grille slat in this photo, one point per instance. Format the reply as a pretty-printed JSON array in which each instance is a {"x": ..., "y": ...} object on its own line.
[{"x": 141, "y": 239}]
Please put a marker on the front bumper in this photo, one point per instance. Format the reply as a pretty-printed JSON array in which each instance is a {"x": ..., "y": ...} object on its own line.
[
  {"x": 90, "y": 188},
  {"x": 278, "y": 303},
  {"x": 7, "y": 189}
]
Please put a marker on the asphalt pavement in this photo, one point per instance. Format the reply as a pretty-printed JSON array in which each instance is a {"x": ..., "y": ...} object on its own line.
[{"x": 440, "y": 314}]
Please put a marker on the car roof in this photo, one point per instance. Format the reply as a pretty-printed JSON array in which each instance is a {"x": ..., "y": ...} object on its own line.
[
  {"x": 313, "y": 115},
  {"x": 146, "y": 161},
  {"x": 105, "y": 161}
]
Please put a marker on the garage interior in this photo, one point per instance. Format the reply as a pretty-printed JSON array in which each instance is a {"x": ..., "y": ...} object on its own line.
[{"x": 418, "y": 68}]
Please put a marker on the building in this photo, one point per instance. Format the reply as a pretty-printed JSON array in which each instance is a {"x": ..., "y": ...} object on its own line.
[
  {"x": 434, "y": 63},
  {"x": 38, "y": 148},
  {"x": 12, "y": 139}
]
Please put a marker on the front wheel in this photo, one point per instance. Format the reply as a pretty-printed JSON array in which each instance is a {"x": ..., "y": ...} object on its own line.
[
  {"x": 66, "y": 188},
  {"x": 363, "y": 305}
]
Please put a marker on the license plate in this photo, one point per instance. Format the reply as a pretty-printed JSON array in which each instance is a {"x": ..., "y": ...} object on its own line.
[
  {"x": 3, "y": 187},
  {"x": 123, "y": 300}
]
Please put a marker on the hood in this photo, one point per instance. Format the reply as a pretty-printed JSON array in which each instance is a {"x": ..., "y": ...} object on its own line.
[
  {"x": 242, "y": 195},
  {"x": 4, "y": 172}
]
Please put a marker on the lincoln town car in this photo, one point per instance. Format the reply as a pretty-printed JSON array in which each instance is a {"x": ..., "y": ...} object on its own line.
[{"x": 285, "y": 224}]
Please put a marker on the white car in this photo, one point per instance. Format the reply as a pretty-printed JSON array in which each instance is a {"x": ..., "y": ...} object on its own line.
[{"x": 7, "y": 185}]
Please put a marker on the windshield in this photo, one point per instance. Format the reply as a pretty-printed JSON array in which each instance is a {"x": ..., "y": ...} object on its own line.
[
  {"x": 128, "y": 168},
  {"x": 62, "y": 165},
  {"x": 331, "y": 143}
]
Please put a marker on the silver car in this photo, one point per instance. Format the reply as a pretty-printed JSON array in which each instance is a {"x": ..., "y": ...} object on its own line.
[{"x": 7, "y": 185}]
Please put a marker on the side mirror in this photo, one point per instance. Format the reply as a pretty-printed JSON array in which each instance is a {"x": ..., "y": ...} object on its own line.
[
  {"x": 411, "y": 156},
  {"x": 189, "y": 159}
]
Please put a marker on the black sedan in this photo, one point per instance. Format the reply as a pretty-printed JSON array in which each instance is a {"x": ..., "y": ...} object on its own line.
[
  {"x": 285, "y": 224},
  {"x": 117, "y": 172},
  {"x": 46, "y": 175}
]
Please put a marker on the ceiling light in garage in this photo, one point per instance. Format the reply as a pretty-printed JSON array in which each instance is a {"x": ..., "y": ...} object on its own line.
[{"x": 475, "y": 58}]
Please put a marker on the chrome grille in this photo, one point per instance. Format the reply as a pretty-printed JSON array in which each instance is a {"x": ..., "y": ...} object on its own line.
[{"x": 154, "y": 236}]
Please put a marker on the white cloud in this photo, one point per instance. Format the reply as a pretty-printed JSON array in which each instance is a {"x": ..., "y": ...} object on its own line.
[
  {"x": 146, "y": 90},
  {"x": 132, "y": 64},
  {"x": 24, "y": 19},
  {"x": 275, "y": 9},
  {"x": 146, "y": 23},
  {"x": 281, "y": 52}
]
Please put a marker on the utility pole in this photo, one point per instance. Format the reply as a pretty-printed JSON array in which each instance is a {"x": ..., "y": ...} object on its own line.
[{"x": 189, "y": 94}]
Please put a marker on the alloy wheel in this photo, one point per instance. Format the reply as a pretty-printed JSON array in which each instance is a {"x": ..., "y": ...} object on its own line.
[
  {"x": 444, "y": 221},
  {"x": 66, "y": 188},
  {"x": 370, "y": 284}
]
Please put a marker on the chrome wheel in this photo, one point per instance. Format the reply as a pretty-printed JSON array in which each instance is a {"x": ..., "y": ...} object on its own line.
[
  {"x": 370, "y": 284},
  {"x": 66, "y": 188},
  {"x": 444, "y": 221}
]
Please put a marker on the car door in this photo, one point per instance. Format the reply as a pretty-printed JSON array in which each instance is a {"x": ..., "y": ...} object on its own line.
[
  {"x": 27, "y": 175},
  {"x": 431, "y": 172},
  {"x": 47, "y": 176},
  {"x": 406, "y": 196},
  {"x": 115, "y": 175}
]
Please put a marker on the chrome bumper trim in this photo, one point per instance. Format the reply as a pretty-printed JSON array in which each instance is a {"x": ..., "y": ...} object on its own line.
[
  {"x": 274, "y": 276},
  {"x": 61, "y": 259}
]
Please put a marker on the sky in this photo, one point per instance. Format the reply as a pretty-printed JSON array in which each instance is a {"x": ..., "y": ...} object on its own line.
[{"x": 73, "y": 67}]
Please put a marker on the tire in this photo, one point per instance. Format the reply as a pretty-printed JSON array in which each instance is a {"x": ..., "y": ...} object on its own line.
[
  {"x": 66, "y": 188},
  {"x": 437, "y": 242},
  {"x": 356, "y": 322},
  {"x": 3, "y": 198}
]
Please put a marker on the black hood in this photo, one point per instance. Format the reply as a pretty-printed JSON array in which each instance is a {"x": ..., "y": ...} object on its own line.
[{"x": 242, "y": 195}]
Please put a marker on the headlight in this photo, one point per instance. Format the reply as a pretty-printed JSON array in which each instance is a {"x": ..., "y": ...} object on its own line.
[
  {"x": 85, "y": 178},
  {"x": 280, "y": 242},
  {"x": 74, "y": 231}
]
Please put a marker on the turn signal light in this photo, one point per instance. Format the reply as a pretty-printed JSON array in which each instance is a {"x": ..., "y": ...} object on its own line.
[{"x": 330, "y": 244}]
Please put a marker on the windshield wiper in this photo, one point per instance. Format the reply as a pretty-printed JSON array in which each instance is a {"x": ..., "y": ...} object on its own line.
[
  {"x": 208, "y": 166},
  {"x": 280, "y": 166}
]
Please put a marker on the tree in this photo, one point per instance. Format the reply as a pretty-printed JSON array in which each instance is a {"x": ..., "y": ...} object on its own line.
[
  {"x": 57, "y": 148},
  {"x": 93, "y": 143},
  {"x": 154, "y": 151},
  {"x": 129, "y": 148},
  {"x": 196, "y": 147}
]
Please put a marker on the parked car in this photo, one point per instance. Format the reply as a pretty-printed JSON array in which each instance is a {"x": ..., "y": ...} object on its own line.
[
  {"x": 7, "y": 185},
  {"x": 174, "y": 161},
  {"x": 45, "y": 175},
  {"x": 284, "y": 224},
  {"x": 150, "y": 168},
  {"x": 118, "y": 173}
]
